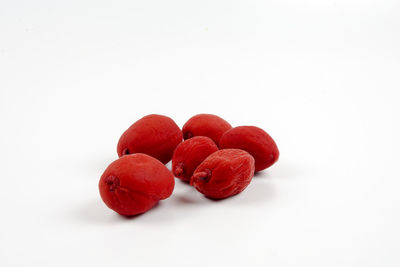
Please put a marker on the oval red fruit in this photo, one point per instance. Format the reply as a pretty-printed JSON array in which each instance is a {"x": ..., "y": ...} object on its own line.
[
  {"x": 224, "y": 173},
  {"x": 255, "y": 141},
  {"x": 189, "y": 154},
  {"x": 154, "y": 135},
  {"x": 134, "y": 183},
  {"x": 208, "y": 125}
]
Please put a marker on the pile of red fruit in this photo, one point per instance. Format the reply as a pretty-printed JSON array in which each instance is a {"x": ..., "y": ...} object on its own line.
[{"x": 218, "y": 160}]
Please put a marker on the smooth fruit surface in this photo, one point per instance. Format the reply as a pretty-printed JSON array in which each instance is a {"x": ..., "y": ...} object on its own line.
[
  {"x": 224, "y": 173},
  {"x": 154, "y": 135},
  {"x": 255, "y": 141},
  {"x": 208, "y": 125},
  {"x": 133, "y": 184},
  {"x": 189, "y": 154}
]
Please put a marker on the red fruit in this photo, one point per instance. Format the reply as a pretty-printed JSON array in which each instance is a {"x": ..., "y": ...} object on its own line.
[
  {"x": 205, "y": 125},
  {"x": 154, "y": 135},
  {"x": 255, "y": 141},
  {"x": 189, "y": 154},
  {"x": 224, "y": 173},
  {"x": 133, "y": 184}
]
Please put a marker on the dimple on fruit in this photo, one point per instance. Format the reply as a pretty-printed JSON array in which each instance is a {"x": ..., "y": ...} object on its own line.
[
  {"x": 189, "y": 154},
  {"x": 208, "y": 125},
  {"x": 224, "y": 173},
  {"x": 255, "y": 141},
  {"x": 133, "y": 184},
  {"x": 154, "y": 135}
]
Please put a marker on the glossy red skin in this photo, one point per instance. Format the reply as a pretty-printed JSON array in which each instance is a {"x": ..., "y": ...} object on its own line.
[
  {"x": 255, "y": 141},
  {"x": 154, "y": 135},
  {"x": 133, "y": 184},
  {"x": 208, "y": 125},
  {"x": 189, "y": 154},
  {"x": 224, "y": 173}
]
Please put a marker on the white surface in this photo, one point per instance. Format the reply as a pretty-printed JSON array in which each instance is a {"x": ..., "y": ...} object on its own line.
[{"x": 322, "y": 77}]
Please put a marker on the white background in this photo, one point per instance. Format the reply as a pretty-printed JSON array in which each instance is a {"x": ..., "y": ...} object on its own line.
[{"x": 322, "y": 77}]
